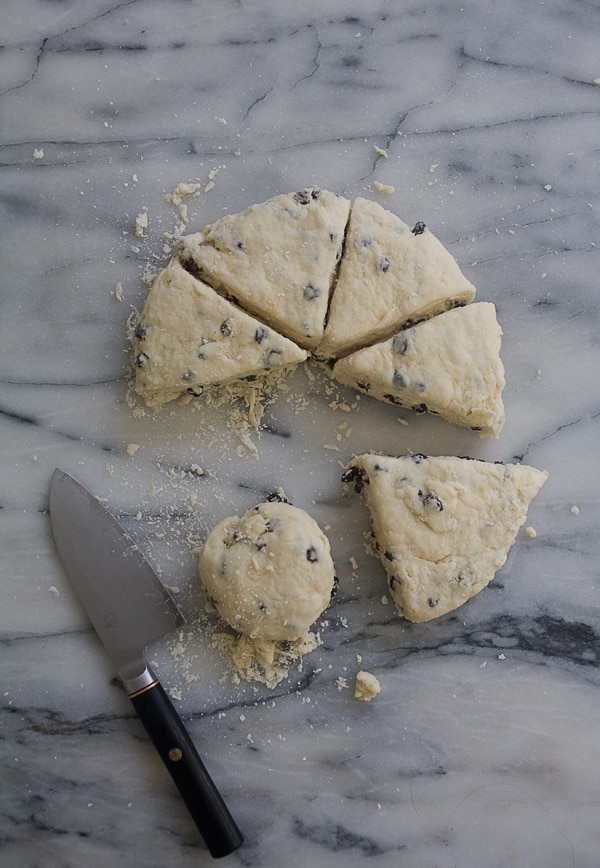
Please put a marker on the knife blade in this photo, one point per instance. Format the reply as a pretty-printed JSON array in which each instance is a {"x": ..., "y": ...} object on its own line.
[{"x": 129, "y": 608}]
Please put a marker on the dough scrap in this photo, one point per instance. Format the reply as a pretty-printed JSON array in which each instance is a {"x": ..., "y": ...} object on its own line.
[
  {"x": 188, "y": 337},
  {"x": 366, "y": 686},
  {"x": 442, "y": 526},
  {"x": 390, "y": 274},
  {"x": 265, "y": 660},
  {"x": 277, "y": 259},
  {"x": 449, "y": 365},
  {"x": 269, "y": 572}
]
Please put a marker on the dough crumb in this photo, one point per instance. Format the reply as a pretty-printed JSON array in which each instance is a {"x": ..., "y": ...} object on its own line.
[
  {"x": 381, "y": 152},
  {"x": 531, "y": 532},
  {"x": 341, "y": 683},
  {"x": 366, "y": 686},
  {"x": 132, "y": 448},
  {"x": 177, "y": 196},
  {"x": 383, "y": 188},
  {"x": 141, "y": 224},
  {"x": 575, "y": 510},
  {"x": 118, "y": 291},
  {"x": 54, "y": 591},
  {"x": 38, "y": 154}
]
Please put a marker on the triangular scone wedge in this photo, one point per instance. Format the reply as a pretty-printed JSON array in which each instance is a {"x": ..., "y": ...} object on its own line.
[
  {"x": 189, "y": 337},
  {"x": 390, "y": 274},
  {"x": 277, "y": 259},
  {"x": 449, "y": 365},
  {"x": 442, "y": 526}
]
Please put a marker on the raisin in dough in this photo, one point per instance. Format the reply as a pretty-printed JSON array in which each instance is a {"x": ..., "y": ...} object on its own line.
[
  {"x": 442, "y": 526},
  {"x": 269, "y": 573},
  {"x": 449, "y": 365},
  {"x": 277, "y": 259},
  {"x": 389, "y": 275},
  {"x": 189, "y": 337}
]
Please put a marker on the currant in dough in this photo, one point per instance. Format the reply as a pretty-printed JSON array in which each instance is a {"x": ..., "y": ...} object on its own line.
[
  {"x": 188, "y": 337},
  {"x": 390, "y": 274},
  {"x": 269, "y": 572},
  {"x": 277, "y": 259},
  {"x": 442, "y": 526},
  {"x": 449, "y": 365}
]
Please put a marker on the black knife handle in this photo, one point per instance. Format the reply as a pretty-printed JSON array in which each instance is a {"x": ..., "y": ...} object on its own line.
[{"x": 177, "y": 751}]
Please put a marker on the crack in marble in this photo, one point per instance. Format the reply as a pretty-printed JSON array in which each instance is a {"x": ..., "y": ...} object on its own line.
[
  {"x": 36, "y": 66},
  {"x": 564, "y": 426},
  {"x": 522, "y": 67}
]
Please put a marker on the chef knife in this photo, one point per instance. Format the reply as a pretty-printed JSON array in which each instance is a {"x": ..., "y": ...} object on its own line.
[{"x": 130, "y": 608}]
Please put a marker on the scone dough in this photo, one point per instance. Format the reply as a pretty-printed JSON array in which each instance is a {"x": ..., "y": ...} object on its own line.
[
  {"x": 277, "y": 259},
  {"x": 269, "y": 573},
  {"x": 442, "y": 526},
  {"x": 188, "y": 337},
  {"x": 366, "y": 686},
  {"x": 449, "y": 365},
  {"x": 389, "y": 274}
]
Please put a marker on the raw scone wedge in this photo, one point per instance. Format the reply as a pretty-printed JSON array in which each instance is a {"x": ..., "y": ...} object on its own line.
[
  {"x": 277, "y": 259},
  {"x": 442, "y": 526},
  {"x": 449, "y": 365},
  {"x": 390, "y": 275},
  {"x": 188, "y": 337}
]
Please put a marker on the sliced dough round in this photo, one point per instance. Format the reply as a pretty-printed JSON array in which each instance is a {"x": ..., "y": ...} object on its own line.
[
  {"x": 277, "y": 259},
  {"x": 189, "y": 337},
  {"x": 389, "y": 275},
  {"x": 442, "y": 526},
  {"x": 270, "y": 572},
  {"x": 449, "y": 365}
]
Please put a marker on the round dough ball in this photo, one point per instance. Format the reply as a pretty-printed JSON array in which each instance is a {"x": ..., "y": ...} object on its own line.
[{"x": 269, "y": 573}]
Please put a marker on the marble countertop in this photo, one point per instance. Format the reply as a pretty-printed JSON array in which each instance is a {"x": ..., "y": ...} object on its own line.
[{"x": 483, "y": 746}]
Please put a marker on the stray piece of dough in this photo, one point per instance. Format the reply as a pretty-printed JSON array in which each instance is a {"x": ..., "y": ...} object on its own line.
[
  {"x": 366, "y": 686},
  {"x": 269, "y": 572}
]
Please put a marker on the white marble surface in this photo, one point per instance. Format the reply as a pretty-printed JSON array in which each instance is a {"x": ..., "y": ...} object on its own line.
[{"x": 483, "y": 747}]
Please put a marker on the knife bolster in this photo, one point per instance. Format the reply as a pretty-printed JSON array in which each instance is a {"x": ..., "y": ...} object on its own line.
[{"x": 137, "y": 685}]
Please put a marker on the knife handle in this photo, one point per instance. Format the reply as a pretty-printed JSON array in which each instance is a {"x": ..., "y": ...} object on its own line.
[{"x": 177, "y": 751}]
